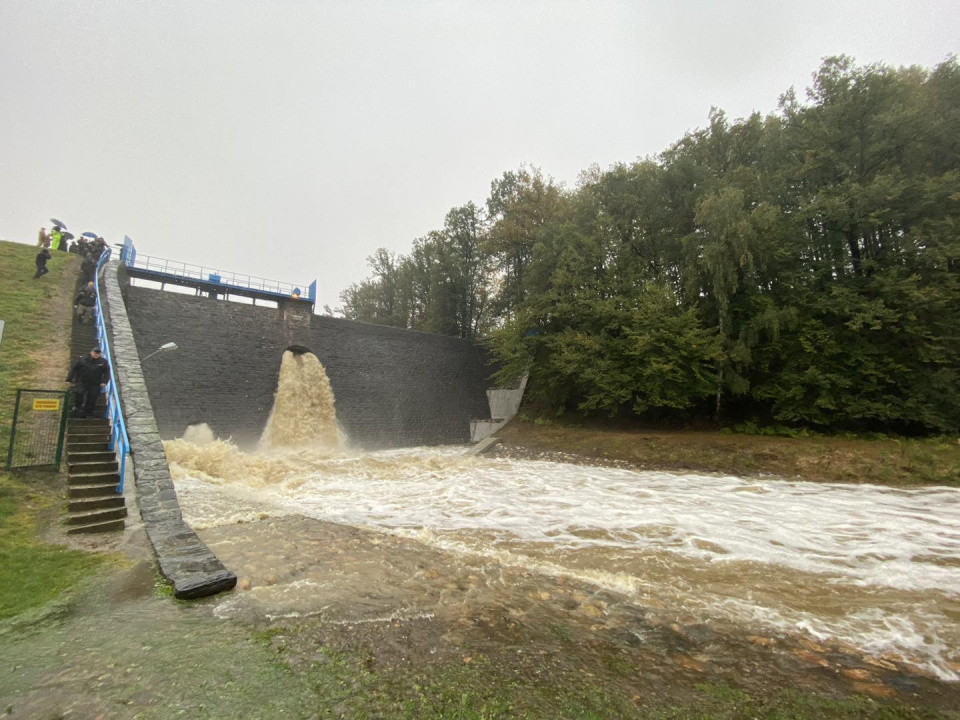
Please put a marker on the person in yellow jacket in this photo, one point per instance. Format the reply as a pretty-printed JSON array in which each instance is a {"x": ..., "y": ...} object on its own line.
[{"x": 56, "y": 237}]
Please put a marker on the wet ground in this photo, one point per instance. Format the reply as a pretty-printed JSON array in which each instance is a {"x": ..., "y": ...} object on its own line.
[
  {"x": 407, "y": 604},
  {"x": 384, "y": 619},
  {"x": 482, "y": 588},
  {"x": 383, "y": 614}
]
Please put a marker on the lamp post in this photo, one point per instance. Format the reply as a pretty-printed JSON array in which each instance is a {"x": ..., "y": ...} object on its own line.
[{"x": 166, "y": 347}]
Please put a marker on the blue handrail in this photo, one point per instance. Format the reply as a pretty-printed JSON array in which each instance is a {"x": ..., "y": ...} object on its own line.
[
  {"x": 119, "y": 441},
  {"x": 199, "y": 273}
]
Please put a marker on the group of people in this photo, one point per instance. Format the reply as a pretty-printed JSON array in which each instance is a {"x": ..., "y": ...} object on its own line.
[
  {"x": 58, "y": 239},
  {"x": 90, "y": 373}
]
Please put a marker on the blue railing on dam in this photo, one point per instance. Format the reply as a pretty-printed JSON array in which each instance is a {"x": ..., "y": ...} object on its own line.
[
  {"x": 119, "y": 442},
  {"x": 161, "y": 269}
]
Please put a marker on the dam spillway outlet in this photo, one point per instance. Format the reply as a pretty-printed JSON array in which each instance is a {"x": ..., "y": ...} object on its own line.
[{"x": 304, "y": 414}]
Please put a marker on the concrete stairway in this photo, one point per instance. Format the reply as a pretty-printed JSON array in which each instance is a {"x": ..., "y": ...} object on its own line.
[{"x": 93, "y": 475}]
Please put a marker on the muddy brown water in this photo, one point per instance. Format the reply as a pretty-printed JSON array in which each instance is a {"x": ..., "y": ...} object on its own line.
[{"x": 868, "y": 570}]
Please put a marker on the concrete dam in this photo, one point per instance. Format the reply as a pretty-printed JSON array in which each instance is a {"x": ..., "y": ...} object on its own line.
[{"x": 393, "y": 387}]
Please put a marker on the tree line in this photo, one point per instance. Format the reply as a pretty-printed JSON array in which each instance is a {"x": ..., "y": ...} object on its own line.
[{"x": 799, "y": 268}]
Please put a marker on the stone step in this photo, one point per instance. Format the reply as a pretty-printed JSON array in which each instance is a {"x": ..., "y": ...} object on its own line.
[
  {"x": 88, "y": 478},
  {"x": 88, "y": 430},
  {"x": 97, "y": 527},
  {"x": 94, "y": 489},
  {"x": 90, "y": 422},
  {"x": 99, "y": 411},
  {"x": 107, "y": 500},
  {"x": 97, "y": 516},
  {"x": 86, "y": 468},
  {"x": 85, "y": 456},
  {"x": 75, "y": 441},
  {"x": 81, "y": 445}
]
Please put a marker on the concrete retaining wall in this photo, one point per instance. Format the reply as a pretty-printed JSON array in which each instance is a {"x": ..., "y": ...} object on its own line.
[
  {"x": 183, "y": 557},
  {"x": 393, "y": 387}
]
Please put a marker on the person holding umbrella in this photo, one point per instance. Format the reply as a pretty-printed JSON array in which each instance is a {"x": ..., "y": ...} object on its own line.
[{"x": 56, "y": 235}]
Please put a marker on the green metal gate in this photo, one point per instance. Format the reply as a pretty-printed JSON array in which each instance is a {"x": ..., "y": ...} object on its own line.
[{"x": 39, "y": 424}]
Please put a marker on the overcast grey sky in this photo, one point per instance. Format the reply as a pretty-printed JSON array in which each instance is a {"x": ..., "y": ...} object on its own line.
[{"x": 291, "y": 138}]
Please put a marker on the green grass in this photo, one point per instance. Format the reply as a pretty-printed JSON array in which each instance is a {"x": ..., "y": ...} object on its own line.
[
  {"x": 33, "y": 353},
  {"x": 32, "y": 331},
  {"x": 32, "y": 573},
  {"x": 479, "y": 691}
]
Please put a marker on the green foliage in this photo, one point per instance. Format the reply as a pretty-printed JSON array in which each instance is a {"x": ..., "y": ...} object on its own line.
[{"x": 801, "y": 269}]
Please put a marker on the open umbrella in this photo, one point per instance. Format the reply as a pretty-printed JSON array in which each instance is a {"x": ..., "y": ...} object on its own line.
[
  {"x": 90, "y": 235},
  {"x": 66, "y": 236},
  {"x": 57, "y": 223}
]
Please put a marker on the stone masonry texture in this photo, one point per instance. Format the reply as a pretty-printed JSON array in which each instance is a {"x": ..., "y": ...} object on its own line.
[
  {"x": 183, "y": 557},
  {"x": 393, "y": 388}
]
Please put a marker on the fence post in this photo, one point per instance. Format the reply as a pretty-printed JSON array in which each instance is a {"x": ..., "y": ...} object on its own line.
[
  {"x": 13, "y": 430},
  {"x": 64, "y": 413}
]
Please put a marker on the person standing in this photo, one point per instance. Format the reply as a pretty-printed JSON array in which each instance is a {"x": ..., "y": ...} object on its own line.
[
  {"x": 42, "y": 239},
  {"x": 89, "y": 375},
  {"x": 88, "y": 268},
  {"x": 84, "y": 303},
  {"x": 55, "y": 236},
  {"x": 41, "y": 262}
]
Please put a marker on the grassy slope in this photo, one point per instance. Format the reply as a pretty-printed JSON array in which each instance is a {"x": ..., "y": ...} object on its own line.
[
  {"x": 34, "y": 352},
  {"x": 820, "y": 459}
]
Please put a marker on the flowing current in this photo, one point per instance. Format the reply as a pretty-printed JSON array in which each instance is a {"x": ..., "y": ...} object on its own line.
[{"x": 873, "y": 567}]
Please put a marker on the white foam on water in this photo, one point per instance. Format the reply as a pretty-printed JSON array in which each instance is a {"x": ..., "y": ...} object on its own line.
[
  {"x": 875, "y": 567},
  {"x": 872, "y": 566}
]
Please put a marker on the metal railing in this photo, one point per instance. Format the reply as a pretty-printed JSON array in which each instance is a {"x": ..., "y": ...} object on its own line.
[
  {"x": 226, "y": 280},
  {"x": 119, "y": 441}
]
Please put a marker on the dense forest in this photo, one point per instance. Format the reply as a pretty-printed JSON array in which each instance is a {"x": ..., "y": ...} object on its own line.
[{"x": 800, "y": 269}]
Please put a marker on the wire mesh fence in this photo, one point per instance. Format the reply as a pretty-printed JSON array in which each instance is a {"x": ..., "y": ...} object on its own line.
[{"x": 39, "y": 425}]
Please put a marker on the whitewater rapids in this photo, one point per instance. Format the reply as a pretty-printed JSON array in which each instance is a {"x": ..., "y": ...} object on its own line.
[{"x": 875, "y": 567}]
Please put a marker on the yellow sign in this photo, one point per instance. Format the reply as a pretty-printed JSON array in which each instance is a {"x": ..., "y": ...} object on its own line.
[{"x": 46, "y": 404}]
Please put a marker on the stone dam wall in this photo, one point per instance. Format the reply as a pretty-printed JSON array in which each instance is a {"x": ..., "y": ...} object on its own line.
[{"x": 393, "y": 388}]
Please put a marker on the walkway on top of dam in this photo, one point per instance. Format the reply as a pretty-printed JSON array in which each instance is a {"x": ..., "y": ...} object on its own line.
[{"x": 211, "y": 281}]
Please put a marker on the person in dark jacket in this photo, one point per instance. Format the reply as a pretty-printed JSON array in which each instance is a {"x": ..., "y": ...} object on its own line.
[
  {"x": 88, "y": 268},
  {"x": 89, "y": 374},
  {"x": 84, "y": 303},
  {"x": 41, "y": 261}
]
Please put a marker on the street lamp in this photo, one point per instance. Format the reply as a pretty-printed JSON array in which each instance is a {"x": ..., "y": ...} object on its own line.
[{"x": 166, "y": 347}]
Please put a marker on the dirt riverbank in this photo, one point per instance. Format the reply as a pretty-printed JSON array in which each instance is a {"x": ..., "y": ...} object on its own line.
[{"x": 896, "y": 462}]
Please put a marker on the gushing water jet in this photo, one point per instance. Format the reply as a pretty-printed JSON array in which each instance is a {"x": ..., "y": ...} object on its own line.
[{"x": 304, "y": 414}]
